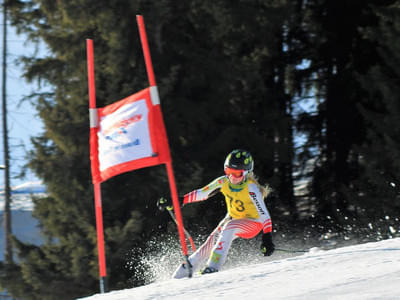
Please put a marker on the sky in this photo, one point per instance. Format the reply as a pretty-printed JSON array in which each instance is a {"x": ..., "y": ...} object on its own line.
[
  {"x": 369, "y": 271},
  {"x": 23, "y": 122}
]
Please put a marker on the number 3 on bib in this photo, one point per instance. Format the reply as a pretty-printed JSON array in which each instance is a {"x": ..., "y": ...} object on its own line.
[{"x": 236, "y": 204}]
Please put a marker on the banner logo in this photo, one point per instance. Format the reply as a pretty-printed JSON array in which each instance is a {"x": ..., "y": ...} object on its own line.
[
  {"x": 119, "y": 128},
  {"x": 124, "y": 135}
]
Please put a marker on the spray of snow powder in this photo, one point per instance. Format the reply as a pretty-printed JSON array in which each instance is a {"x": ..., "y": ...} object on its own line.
[{"x": 163, "y": 255}]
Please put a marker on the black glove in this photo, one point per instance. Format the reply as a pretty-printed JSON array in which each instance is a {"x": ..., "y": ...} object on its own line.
[
  {"x": 164, "y": 204},
  {"x": 267, "y": 246}
]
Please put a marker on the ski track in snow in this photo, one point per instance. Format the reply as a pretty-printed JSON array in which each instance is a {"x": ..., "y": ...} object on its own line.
[{"x": 363, "y": 272}]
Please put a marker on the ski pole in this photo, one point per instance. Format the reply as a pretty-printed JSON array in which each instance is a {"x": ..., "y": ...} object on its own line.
[
  {"x": 291, "y": 251},
  {"x": 162, "y": 204},
  {"x": 189, "y": 237}
]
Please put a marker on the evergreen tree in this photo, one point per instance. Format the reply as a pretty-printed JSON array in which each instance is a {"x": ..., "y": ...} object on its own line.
[
  {"x": 66, "y": 265},
  {"x": 336, "y": 53},
  {"x": 380, "y": 109},
  {"x": 217, "y": 68},
  {"x": 230, "y": 75}
]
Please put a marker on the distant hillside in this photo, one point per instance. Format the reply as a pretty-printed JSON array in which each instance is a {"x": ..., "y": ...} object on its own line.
[
  {"x": 31, "y": 187},
  {"x": 21, "y": 195},
  {"x": 24, "y": 226}
]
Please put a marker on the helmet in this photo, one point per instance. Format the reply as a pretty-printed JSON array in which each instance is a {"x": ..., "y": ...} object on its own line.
[{"x": 240, "y": 160}]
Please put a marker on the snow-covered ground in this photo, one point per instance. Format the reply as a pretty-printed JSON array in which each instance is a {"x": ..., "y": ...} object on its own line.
[{"x": 366, "y": 271}]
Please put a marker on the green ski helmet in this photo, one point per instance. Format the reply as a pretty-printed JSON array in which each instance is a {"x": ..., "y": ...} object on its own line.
[{"x": 239, "y": 159}]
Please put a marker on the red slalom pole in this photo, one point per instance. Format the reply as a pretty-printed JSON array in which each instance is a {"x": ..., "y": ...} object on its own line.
[
  {"x": 170, "y": 172},
  {"x": 94, "y": 159},
  {"x": 146, "y": 50},
  {"x": 177, "y": 207}
]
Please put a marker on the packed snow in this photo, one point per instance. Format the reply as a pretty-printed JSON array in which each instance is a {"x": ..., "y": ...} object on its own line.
[{"x": 365, "y": 271}]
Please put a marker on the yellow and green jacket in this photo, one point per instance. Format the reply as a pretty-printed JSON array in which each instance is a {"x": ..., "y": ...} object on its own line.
[{"x": 242, "y": 201}]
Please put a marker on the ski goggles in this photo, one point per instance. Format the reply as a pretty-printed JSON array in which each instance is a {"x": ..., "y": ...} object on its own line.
[{"x": 234, "y": 172}]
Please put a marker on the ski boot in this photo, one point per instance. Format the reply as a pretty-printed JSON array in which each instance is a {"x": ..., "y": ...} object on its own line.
[
  {"x": 181, "y": 272},
  {"x": 209, "y": 270}
]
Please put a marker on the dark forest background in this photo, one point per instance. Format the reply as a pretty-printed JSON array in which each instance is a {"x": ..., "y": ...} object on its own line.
[{"x": 310, "y": 87}]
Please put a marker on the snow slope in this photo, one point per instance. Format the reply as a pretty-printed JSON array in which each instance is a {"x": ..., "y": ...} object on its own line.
[{"x": 366, "y": 271}]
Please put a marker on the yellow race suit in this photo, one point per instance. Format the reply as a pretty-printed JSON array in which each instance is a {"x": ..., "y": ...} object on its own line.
[{"x": 242, "y": 201}]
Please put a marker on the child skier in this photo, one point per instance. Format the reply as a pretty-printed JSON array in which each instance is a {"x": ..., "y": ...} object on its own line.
[{"x": 247, "y": 214}]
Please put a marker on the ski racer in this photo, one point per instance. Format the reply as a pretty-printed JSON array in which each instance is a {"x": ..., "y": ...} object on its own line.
[{"x": 247, "y": 214}]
